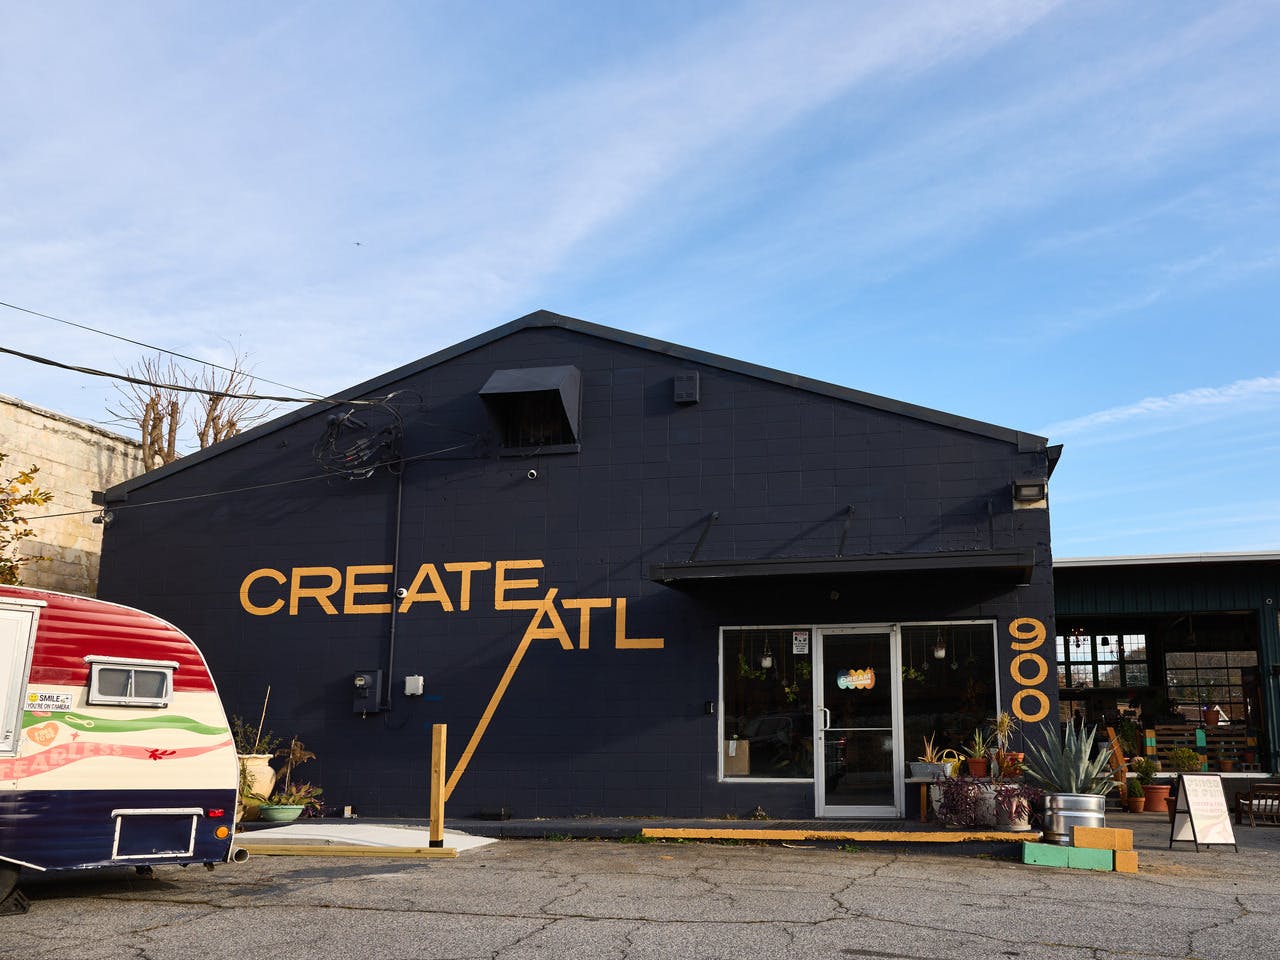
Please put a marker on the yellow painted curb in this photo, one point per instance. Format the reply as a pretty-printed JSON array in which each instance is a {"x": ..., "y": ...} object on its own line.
[
  {"x": 347, "y": 850},
  {"x": 866, "y": 836}
]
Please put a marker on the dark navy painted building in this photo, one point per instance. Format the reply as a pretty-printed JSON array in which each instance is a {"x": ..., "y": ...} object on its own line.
[{"x": 635, "y": 579}]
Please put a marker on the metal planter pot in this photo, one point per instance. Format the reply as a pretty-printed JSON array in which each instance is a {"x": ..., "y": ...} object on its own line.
[
  {"x": 1062, "y": 811},
  {"x": 932, "y": 770}
]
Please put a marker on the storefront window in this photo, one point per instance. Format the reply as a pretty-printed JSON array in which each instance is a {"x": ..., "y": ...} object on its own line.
[
  {"x": 768, "y": 702},
  {"x": 1209, "y": 685},
  {"x": 948, "y": 683},
  {"x": 1172, "y": 673},
  {"x": 1102, "y": 660}
]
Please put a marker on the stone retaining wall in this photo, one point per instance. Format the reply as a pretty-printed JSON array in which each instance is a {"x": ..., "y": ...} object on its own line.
[{"x": 75, "y": 458}]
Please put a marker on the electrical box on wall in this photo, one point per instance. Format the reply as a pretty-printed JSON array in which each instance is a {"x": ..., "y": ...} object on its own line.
[
  {"x": 413, "y": 685},
  {"x": 368, "y": 685}
]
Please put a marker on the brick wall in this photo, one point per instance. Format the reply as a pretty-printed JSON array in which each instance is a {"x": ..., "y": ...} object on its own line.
[{"x": 75, "y": 458}]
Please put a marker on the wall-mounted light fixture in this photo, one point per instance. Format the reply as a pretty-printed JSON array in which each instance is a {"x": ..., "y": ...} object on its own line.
[{"x": 1029, "y": 491}]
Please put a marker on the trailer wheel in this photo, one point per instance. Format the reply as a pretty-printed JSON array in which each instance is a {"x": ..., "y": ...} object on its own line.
[{"x": 11, "y": 899}]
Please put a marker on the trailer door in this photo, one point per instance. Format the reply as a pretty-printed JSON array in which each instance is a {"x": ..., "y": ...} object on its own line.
[{"x": 17, "y": 635}]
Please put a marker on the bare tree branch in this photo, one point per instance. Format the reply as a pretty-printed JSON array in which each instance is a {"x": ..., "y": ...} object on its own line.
[{"x": 159, "y": 412}]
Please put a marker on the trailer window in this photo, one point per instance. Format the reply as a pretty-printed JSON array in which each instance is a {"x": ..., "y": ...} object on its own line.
[{"x": 119, "y": 682}]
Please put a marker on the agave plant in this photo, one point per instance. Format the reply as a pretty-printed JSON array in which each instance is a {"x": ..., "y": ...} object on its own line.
[{"x": 1066, "y": 765}]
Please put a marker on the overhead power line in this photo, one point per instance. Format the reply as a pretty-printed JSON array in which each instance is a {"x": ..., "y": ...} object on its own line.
[
  {"x": 149, "y": 346},
  {"x": 328, "y": 475},
  {"x": 181, "y": 387}
]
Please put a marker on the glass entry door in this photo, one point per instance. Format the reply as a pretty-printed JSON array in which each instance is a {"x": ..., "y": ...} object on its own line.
[{"x": 857, "y": 720}]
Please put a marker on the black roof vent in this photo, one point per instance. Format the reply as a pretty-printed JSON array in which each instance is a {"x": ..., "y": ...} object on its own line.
[{"x": 535, "y": 408}]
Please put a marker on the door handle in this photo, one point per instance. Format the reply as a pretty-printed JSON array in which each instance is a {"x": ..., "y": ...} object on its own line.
[{"x": 826, "y": 718}]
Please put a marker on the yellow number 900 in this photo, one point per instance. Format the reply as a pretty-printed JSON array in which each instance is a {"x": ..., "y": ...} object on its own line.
[{"x": 1029, "y": 704}]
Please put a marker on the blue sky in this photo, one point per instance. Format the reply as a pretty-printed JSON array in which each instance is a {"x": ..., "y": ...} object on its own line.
[{"x": 1063, "y": 218}]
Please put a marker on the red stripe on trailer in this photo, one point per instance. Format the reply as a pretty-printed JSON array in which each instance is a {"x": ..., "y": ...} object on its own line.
[{"x": 71, "y": 628}]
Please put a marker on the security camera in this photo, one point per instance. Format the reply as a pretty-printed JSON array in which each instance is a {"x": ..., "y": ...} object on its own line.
[
  {"x": 533, "y": 474},
  {"x": 401, "y": 593}
]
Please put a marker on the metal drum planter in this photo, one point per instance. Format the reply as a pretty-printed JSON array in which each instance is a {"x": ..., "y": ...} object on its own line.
[{"x": 1062, "y": 811}]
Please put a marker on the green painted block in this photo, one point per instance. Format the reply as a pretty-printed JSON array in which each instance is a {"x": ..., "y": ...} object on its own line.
[
  {"x": 1044, "y": 854},
  {"x": 1082, "y": 858}
]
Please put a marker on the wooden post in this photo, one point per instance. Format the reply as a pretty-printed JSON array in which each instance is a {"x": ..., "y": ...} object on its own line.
[{"x": 436, "y": 836}]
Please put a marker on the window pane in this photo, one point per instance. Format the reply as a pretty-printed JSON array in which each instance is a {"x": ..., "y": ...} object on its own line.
[
  {"x": 1242, "y": 658},
  {"x": 946, "y": 697},
  {"x": 1082, "y": 676},
  {"x": 1135, "y": 674},
  {"x": 1211, "y": 658},
  {"x": 1135, "y": 646},
  {"x": 1180, "y": 660},
  {"x": 768, "y": 703},
  {"x": 113, "y": 682},
  {"x": 149, "y": 683},
  {"x": 1108, "y": 674},
  {"x": 1108, "y": 646}
]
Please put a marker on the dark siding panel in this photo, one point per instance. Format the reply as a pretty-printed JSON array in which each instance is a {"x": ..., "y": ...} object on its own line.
[{"x": 599, "y": 730}]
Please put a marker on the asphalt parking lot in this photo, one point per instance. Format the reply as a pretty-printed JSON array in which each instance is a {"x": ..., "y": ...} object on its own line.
[{"x": 591, "y": 898}]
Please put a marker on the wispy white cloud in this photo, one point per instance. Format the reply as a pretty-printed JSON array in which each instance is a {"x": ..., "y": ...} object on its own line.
[
  {"x": 1218, "y": 401},
  {"x": 227, "y": 190},
  {"x": 1120, "y": 118}
]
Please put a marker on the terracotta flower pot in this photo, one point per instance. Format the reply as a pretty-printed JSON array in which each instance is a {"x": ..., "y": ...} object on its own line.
[
  {"x": 1156, "y": 796},
  {"x": 1136, "y": 804},
  {"x": 978, "y": 768}
]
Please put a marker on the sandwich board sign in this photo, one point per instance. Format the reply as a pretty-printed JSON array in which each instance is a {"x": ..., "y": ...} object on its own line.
[{"x": 1200, "y": 814}]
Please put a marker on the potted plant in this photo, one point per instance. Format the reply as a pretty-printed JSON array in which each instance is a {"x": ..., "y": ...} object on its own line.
[
  {"x": 1015, "y": 803},
  {"x": 929, "y": 764},
  {"x": 1137, "y": 799},
  {"x": 1155, "y": 796},
  {"x": 960, "y": 802},
  {"x": 294, "y": 755},
  {"x": 288, "y": 804},
  {"x": 1185, "y": 760},
  {"x": 1008, "y": 763},
  {"x": 1181, "y": 760},
  {"x": 1075, "y": 782},
  {"x": 255, "y": 748},
  {"x": 976, "y": 752}
]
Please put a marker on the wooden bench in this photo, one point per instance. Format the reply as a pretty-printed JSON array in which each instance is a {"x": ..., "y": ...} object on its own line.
[{"x": 1261, "y": 804}]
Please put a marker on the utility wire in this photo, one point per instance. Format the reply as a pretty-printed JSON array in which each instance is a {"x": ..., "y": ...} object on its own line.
[
  {"x": 222, "y": 493},
  {"x": 181, "y": 387},
  {"x": 139, "y": 343}
]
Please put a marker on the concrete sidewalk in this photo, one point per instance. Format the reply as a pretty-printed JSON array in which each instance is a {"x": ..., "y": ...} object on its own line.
[
  {"x": 1150, "y": 832},
  {"x": 387, "y": 835}
]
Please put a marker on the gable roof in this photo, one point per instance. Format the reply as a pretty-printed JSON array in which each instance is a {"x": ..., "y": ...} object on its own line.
[{"x": 1025, "y": 442}]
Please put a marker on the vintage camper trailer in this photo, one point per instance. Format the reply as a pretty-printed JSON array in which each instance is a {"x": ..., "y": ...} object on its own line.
[{"x": 114, "y": 747}]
